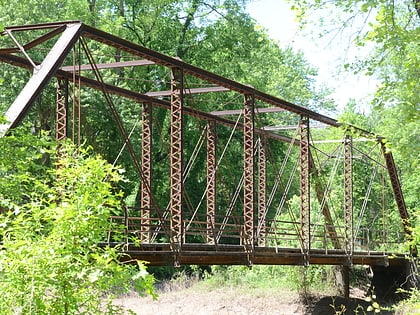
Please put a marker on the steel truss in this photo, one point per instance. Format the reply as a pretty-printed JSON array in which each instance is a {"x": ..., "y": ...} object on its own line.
[
  {"x": 146, "y": 164},
  {"x": 211, "y": 181},
  {"x": 305, "y": 197},
  {"x": 249, "y": 188},
  {"x": 262, "y": 191},
  {"x": 176, "y": 165},
  {"x": 252, "y": 237},
  {"x": 61, "y": 110}
]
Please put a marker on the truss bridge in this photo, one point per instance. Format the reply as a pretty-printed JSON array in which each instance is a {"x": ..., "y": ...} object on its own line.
[{"x": 219, "y": 172}]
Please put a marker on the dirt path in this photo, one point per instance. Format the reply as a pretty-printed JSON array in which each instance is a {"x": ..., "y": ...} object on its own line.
[{"x": 220, "y": 301}]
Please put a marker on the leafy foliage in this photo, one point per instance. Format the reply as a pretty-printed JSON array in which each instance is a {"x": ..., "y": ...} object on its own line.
[
  {"x": 51, "y": 229},
  {"x": 392, "y": 28}
]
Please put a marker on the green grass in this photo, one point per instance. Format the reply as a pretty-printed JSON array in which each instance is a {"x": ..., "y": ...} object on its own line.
[{"x": 293, "y": 278}]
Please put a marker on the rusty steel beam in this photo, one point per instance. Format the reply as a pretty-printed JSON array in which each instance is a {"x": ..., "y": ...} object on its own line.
[
  {"x": 21, "y": 48},
  {"x": 41, "y": 76},
  {"x": 164, "y": 60},
  {"x": 110, "y": 65},
  {"x": 396, "y": 189},
  {"x": 290, "y": 127},
  {"x": 348, "y": 195},
  {"x": 240, "y": 111},
  {"x": 146, "y": 165},
  {"x": 341, "y": 140},
  {"x": 40, "y": 26},
  {"x": 61, "y": 113},
  {"x": 35, "y": 42},
  {"x": 189, "y": 91},
  {"x": 176, "y": 159},
  {"x": 262, "y": 191},
  {"x": 249, "y": 189},
  {"x": 140, "y": 98},
  {"x": 167, "y": 61},
  {"x": 272, "y": 128},
  {"x": 305, "y": 198},
  {"x": 211, "y": 182},
  {"x": 203, "y": 254},
  {"x": 44, "y": 37}
]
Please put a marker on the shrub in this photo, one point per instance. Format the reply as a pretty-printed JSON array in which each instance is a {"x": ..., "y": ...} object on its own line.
[{"x": 51, "y": 261}]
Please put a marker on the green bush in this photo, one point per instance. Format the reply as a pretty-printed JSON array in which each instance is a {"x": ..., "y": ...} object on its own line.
[{"x": 51, "y": 261}]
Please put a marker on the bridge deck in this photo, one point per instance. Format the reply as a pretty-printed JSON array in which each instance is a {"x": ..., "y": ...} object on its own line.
[{"x": 203, "y": 254}]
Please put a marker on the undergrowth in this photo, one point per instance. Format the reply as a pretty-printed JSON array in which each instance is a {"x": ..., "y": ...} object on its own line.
[
  {"x": 410, "y": 306},
  {"x": 291, "y": 278}
]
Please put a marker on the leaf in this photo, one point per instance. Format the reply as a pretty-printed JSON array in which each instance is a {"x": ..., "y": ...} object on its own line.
[
  {"x": 365, "y": 7},
  {"x": 94, "y": 276},
  {"x": 375, "y": 305}
]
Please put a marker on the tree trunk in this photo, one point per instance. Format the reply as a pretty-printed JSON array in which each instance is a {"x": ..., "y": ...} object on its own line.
[{"x": 342, "y": 280}]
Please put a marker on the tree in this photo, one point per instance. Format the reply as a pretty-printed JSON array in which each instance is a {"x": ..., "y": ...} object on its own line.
[
  {"x": 392, "y": 28},
  {"x": 51, "y": 230}
]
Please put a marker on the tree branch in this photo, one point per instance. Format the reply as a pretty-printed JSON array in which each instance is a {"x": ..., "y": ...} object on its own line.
[
  {"x": 189, "y": 19},
  {"x": 417, "y": 6}
]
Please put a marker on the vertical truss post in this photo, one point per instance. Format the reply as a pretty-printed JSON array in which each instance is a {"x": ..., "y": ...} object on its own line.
[
  {"x": 348, "y": 195},
  {"x": 262, "y": 190},
  {"x": 249, "y": 190},
  {"x": 177, "y": 90},
  {"x": 305, "y": 206},
  {"x": 211, "y": 181},
  {"x": 146, "y": 165},
  {"x": 61, "y": 113}
]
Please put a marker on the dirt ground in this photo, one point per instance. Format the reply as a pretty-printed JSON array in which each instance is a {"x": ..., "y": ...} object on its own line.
[
  {"x": 220, "y": 301},
  {"x": 190, "y": 296},
  {"x": 195, "y": 299}
]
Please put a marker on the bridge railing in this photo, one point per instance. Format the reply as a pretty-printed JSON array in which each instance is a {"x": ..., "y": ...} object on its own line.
[
  {"x": 228, "y": 230},
  {"x": 135, "y": 228},
  {"x": 219, "y": 229}
]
